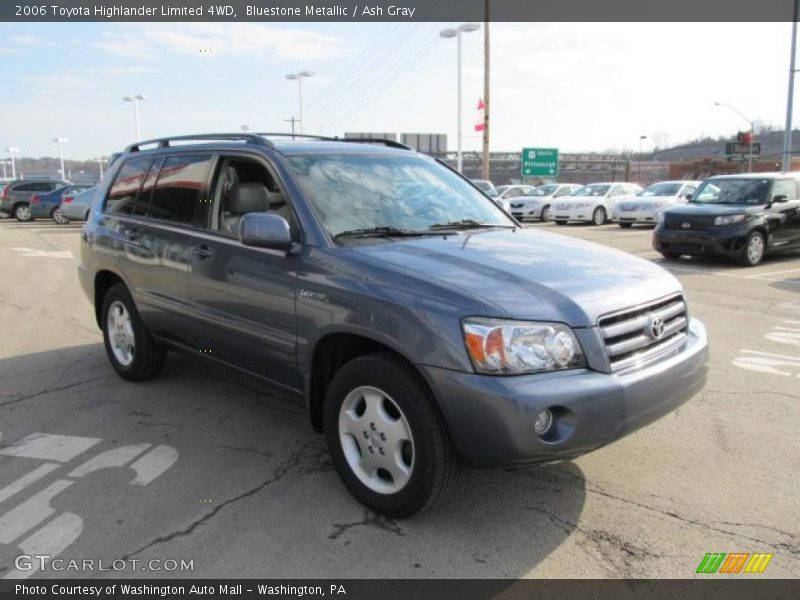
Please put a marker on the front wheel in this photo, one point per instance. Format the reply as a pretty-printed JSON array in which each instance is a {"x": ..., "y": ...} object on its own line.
[
  {"x": 387, "y": 442},
  {"x": 753, "y": 250},
  {"x": 546, "y": 213},
  {"x": 599, "y": 216},
  {"x": 23, "y": 213},
  {"x": 59, "y": 218},
  {"x": 130, "y": 347}
]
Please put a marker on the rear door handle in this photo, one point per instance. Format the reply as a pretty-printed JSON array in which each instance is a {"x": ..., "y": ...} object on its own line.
[{"x": 202, "y": 251}]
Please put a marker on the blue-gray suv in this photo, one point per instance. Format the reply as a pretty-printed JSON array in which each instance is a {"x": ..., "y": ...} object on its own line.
[{"x": 420, "y": 325}]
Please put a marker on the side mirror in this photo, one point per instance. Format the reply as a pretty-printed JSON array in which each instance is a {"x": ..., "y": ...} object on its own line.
[
  {"x": 265, "y": 230},
  {"x": 688, "y": 197},
  {"x": 780, "y": 198}
]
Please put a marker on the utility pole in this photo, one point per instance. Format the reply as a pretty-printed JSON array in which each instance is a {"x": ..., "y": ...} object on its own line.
[
  {"x": 486, "y": 65},
  {"x": 292, "y": 121},
  {"x": 786, "y": 162}
]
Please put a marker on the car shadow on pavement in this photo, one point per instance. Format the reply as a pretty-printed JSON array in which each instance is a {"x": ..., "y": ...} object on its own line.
[{"x": 253, "y": 492}]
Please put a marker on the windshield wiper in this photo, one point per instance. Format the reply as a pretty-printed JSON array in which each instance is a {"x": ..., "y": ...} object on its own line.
[
  {"x": 468, "y": 224},
  {"x": 380, "y": 231}
]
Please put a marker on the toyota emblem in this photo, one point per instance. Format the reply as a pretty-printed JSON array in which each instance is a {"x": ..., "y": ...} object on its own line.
[
  {"x": 686, "y": 225},
  {"x": 655, "y": 327}
]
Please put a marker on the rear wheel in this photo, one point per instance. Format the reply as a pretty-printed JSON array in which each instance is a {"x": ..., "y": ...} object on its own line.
[
  {"x": 626, "y": 225},
  {"x": 599, "y": 216},
  {"x": 753, "y": 250},
  {"x": 546, "y": 213},
  {"x": 561, "y": 222},
  {"x": 58, "y": 217},
  {"x": 130, "y": 347},
  {"x": 386, "y": 440},
  {"x": 23, "y": 213}
]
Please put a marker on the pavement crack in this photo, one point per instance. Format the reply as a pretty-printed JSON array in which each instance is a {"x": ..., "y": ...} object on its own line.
[
  {"x": 370, "y": 519},
  {"x": 309, "y": 452},
  {"x": 266, "y": 455},
  {"x": 51, "y": 390}
]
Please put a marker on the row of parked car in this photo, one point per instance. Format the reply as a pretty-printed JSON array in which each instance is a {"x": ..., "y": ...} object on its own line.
[
  {"x": 598, "y": 203},
  {"x": 742, "y": 217},
  {"x": 61, "y": 201}
]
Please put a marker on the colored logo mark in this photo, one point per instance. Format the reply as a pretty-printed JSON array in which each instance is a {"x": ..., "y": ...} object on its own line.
[{"x": 735, "y": 562}]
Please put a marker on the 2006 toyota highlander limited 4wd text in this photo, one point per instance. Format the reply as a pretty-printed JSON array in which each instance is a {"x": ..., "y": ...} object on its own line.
[{"x": 419, "y": 324}]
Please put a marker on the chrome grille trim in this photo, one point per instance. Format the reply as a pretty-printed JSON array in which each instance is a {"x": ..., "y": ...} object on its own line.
[{"x": 626, "y": 335}]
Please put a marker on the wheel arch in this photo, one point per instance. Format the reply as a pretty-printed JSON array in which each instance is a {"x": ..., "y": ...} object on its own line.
[{"x": 103, "y": 280}]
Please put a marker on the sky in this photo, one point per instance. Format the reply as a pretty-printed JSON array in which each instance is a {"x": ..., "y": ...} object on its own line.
[{"x": 574, "y": 86}]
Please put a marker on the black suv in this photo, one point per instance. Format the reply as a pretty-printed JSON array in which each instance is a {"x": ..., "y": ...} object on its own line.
[
  {"x": 418, "y": 322},
  {"x": 742, "y": 217}
]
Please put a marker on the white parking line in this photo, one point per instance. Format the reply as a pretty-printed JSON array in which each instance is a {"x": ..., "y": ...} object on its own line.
[
  {"x": 30, "y": 513},
  {"x": 760, "y": 275},
  {"x": 116, "y": 457},
  {"x": 52, "y": 539},
  {"x": 33, "y": 252},
  {"x": 733, "y": 275},
  {"x": 152, "y": 464},
  {"x": 26, "y": 480},
  {"x": 48, "y": 446}
]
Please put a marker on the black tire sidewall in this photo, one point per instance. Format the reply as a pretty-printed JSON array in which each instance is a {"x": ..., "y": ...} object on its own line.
[
  {"x": 132, "y": 371},
  {"x": 392, "y": 377}
]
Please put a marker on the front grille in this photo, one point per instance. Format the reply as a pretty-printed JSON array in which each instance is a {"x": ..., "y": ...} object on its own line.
[
  {"x": 687, "y": 223},
  {"x": 630, "y": 338}
]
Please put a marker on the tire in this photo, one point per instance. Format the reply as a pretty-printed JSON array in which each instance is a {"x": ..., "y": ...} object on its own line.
[
  {"x": 147, "y": 357},
  {"x": 671, "y": 255},
  {"x": 753, "y": 250},
  {"x": 561, "y": 222},
  {"x": 58, "y": 217},
  {"x": 23, "y": 213},
  {"x": 427, "y": 464},
  {"x": 626, "y": 225},
  {"x": 546, "y": 213},
  {"x": 599, "y": 216}
]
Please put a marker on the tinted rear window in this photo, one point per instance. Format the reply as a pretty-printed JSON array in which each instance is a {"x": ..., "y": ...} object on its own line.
[
  {"x": 177, "y": 191},
  {"x": 124, "y": 194}
]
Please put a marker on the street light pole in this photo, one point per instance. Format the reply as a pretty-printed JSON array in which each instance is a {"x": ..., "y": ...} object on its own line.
[
  {"x": 12, "y": 151},
  {"x": 641, "y": 139},
  {"x": 135, "y": 99},
  {"x": 100, "y": 162},
  {"x": 299, "y": 77},
  {"x": 61, "y": 141},
  {"x": 456, "y": 33},
  {"x": 786, "y": 161}
]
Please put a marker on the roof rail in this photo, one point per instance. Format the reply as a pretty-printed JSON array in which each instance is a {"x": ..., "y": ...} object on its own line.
[
  {"x": 250, "y": 138},
  {"x": 297, "y": 135},
  {"x": 390, "y": 143}
]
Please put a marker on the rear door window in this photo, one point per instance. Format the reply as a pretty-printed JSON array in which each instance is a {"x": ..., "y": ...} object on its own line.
[
  {"x": 785, "y": 187},
  {"x": 124, "y": 195},
  {"x": 178, "y": 189}
]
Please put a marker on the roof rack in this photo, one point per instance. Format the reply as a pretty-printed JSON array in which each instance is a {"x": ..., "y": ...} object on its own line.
[
  {"x": 385, "y": 142},
  {"x": 250, "y": 138}
]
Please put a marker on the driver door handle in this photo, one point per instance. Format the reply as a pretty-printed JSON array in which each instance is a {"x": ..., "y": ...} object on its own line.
[{"x": 202, "y": 251}]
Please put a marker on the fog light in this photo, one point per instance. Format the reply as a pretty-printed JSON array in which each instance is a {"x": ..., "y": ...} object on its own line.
[{"x": 543, "y": 422}]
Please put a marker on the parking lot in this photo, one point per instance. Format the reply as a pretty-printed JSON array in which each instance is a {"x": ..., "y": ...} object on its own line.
[{"x": 206, "y": 465}]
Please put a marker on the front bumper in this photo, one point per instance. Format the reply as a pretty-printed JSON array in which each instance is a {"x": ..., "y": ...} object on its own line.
[
  {"x": 722, "y": 241},
  {"x": 530, "y": 212},
  {"x": 573, "y": 214},
  {"x": 647, "y": 217},
  {"x": 490, "y": 419}
]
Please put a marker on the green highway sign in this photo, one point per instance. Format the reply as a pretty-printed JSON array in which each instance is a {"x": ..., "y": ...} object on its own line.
[{"x": 540, "y": 162}]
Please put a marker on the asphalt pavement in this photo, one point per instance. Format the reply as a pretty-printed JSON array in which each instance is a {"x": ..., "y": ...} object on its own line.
[{"x": 209, "y": 468}]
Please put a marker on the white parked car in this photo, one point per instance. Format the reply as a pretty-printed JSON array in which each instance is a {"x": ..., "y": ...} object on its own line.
[
  {"x": 516, "y": 190},
  {"x": 644, "y": 208},
  {"x": 593, "y": 203},
  {"x": 538, "y": 205}
]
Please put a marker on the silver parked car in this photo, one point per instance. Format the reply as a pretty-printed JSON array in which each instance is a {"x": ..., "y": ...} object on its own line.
[
  {"x": 76, "y": 207},
  {"x": 646, "y": 205},
  {"x": 537, "y": 205}
]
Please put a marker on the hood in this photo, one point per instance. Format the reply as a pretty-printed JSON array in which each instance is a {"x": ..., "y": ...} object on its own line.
[
  {"x": 531, "y": 274},
  {"x": 711, "y": 210}
]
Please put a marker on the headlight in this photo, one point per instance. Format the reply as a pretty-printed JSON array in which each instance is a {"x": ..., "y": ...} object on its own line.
[
  {"x": 730, "y": 219},
  {"x": 500, "y": 347}
]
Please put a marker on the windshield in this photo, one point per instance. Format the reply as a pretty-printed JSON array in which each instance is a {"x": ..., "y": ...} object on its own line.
[
  {"x": 409, "y": 193},
  {"x": 592, "y": 190},
  {"x": 500, "y": 189},
  {"x": 546, "y": 190},
  {"x": 748, "y": 191},
  {"x": 661, "y": 189},
  {"x": 483, "y": 184}
]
